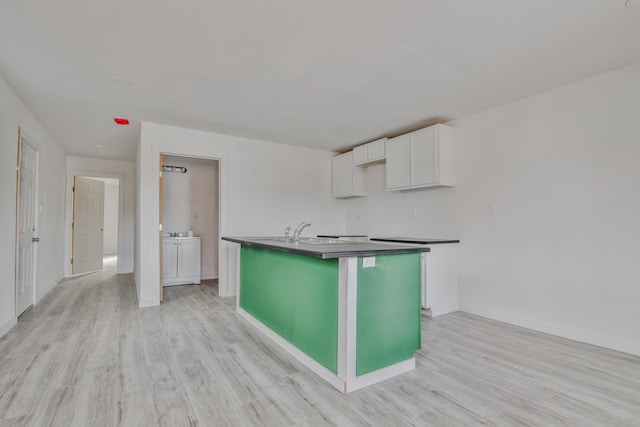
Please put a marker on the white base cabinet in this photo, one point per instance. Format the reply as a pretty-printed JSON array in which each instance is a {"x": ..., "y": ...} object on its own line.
[
  {"x": 424, "y": 158},
  {"x": 440, "y": 278},
  {"x": 180, "y": 261}
]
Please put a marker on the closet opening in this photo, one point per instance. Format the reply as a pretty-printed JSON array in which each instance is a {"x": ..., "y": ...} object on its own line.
[{"x": 190, "y": 223}]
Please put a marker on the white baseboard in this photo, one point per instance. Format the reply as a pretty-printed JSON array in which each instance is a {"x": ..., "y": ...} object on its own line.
[
  {"x": 597, "y": 340},
  {"x": 146, "y": 303},
  {"x": 294, "y": 351},
  {"x": 209, "y": 276},
  {"x": 7, "y": 326},
  {"x": 40, "y": 295},
  {"x": 380, "y": 375},
  {"x": 438, "y": 311},
  {"x": 324, "y": 373}
]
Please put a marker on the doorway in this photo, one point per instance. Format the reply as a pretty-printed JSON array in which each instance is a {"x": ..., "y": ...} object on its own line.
[
  {"x": 189, "y": 205},
  {"x": 94, "y": 225},
  {"x": 27, "y": 224}
]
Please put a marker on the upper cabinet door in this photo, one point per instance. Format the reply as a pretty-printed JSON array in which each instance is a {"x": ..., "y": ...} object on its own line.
[
  {"x": 423, "y": 154},
  {"x": 376, "y": 150},
  {"x": 424, "y": 158},
  {"x": 360, "y": 155},
  {"x": 369, "y": 153},
  {"x": 397, "y": 166},
  {"x": 346, "y": 180}
]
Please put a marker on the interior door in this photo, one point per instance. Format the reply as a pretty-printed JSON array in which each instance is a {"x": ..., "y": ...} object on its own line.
[
  {"x": 88, "y": 225},
  {"x": 27, "y": 222}
]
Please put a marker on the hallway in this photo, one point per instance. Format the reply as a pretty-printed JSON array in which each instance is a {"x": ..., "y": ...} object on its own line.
[{"x": 86, "y": 355}]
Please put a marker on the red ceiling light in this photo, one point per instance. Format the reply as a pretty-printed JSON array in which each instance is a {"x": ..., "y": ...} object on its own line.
[{"x": 121, "y": 121}]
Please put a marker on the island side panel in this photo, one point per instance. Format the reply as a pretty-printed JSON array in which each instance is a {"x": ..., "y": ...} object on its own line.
[
  {"x": 296, "y": 297},
  {"x": 388, "y": 316}
]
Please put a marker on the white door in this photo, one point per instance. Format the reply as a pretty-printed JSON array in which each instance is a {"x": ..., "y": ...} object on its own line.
[
  {"x": 27, "y": 222},
  {"x": 88, "y": 223}
]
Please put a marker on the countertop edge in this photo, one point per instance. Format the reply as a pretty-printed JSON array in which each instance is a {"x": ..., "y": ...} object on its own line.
[
  {"x": 415, "y": 241},
  {"x": 384, "y": 249}
]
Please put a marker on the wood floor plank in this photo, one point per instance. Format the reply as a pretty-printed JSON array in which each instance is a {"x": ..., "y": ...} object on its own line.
[{"x": 86, "y": 355}]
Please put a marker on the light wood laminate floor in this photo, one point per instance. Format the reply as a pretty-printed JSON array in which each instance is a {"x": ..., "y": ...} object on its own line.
[{"x": 87, "y": 356}]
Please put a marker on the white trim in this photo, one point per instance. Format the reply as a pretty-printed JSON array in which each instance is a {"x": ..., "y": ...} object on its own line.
[
  {"x": 234, "y": 256},
  {"x": 343, "y": 283},
  {"x": 294, "y": 351},
  {"x": 445, "y": 309},
  {"x": 121, "y": 177},
  {"x": 26, "y": 140},
  {"x": 7, "y": 326},
  {"x": 380, "y": 375},
  {"x": 346, "y": 380},
  {"x": 48, "y": 289},
  {"x": 352, "y": 384},
  {"x": 598, "y": 340},
  {"x": 146, "y": 303},
  {"x": 351, "y": 307},
  {"x": 225, "y": 286},
  {"x": 423, "y": 280}
]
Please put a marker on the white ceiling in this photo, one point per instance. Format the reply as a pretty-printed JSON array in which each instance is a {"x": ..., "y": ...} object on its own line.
[{"x": 327, "y": 74}]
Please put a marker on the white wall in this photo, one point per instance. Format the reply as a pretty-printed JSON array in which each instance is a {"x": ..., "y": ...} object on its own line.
[
  {"x": 190, "y": 202},
  {"x": 111, "y": 211},
  {"x": 125, "y": 172},
  {"x": 13, "y": 114},
  {"x": 138, "y": 221},
  {"x": 264, "y": 188},
  {"x": 560, "y": 254},
  {"x": 383, "y": 213}
]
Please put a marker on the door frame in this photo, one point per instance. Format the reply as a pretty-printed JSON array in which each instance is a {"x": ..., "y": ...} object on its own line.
[
  {"x": 226, "y": 287},
  {"x": 69, "y": 214},
  {"x": 22, "y": 136}
]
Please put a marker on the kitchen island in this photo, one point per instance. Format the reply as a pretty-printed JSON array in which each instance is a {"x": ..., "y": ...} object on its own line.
[{"x": 349, "y": 311}]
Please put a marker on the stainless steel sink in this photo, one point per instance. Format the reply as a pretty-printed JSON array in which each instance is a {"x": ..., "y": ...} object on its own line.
[
  {"x": 305, "y": 240},
  {"x": 321, "y": 241}
]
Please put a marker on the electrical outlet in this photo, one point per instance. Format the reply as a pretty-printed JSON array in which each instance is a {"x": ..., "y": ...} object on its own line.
[
  {"x": 369, "y": 261},
  {"x": 357, "y": 217},
  {"x": 491, "y": 209}
]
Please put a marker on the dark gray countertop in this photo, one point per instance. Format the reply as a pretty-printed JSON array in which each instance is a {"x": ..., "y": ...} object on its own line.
[
  {"x": 414, "y": 240},
  {"x": 337, "y": 236},
  {"x": 328, "y": 251}
]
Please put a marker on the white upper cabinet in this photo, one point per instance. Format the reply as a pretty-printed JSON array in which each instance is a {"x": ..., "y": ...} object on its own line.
[
  {"x": 371, "y": 152},
  {"x": 424, "y": 158},
  {"x": 346, "y": 180},
  {"x": 398, "y": 162}
]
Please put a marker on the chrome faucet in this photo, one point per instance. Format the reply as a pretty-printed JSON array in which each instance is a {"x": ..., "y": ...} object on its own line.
[
  {"x": 299, "y": 228},
  {"x": 286, "y": 233}
]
